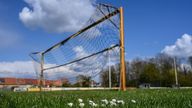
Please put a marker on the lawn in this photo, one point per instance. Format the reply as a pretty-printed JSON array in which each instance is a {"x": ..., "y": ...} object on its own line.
[{"x": 169, "y": 98}]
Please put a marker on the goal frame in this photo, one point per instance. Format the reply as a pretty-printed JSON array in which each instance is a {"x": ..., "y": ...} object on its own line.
[{"x": 122, "y": 48}]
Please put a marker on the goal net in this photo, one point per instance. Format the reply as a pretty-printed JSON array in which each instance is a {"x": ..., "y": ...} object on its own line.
[{"x": 88, "y": 58}]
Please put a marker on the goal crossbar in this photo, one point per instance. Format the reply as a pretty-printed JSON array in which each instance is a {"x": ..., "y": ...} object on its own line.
[{"x": 82, "y": 30}]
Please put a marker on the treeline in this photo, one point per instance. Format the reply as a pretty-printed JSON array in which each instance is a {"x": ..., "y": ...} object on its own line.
[{"x": 157, "y": 71}]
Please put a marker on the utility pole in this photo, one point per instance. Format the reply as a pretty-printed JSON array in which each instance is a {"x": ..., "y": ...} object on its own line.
[
  {"x": 109, "y": 65},
  {"x": 176, "y": 79},
  {"x": 122, "y": 52},
  {"x": 41, "y": 74},
  {"x": 92, "y": 81}
]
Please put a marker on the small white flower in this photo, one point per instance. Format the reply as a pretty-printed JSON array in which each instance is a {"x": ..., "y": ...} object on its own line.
[
  {"x": 70, "y": 104},
  {"x": 105, "y": 101},
  {"x": 92, "y": 103},
  {"x": 80, "y": 100},
  {"x": 134, "y": 101},
  {"x": 114, "y": 100},
  {"x": 112, "y": 103},
  {"x": 121, "y": 102},
  {"x": 81, "y": 105}
]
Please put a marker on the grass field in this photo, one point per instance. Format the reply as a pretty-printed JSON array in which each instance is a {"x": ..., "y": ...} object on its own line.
[{"x": 170, "y": 98}]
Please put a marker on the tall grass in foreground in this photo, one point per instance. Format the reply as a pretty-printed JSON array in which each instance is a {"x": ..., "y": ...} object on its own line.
[{"x": 133, "y": 99}]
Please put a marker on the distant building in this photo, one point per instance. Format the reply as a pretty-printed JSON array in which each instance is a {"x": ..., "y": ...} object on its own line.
[
  {"x": 18, "y": 81},
  {"x": 28, "y": 81},
  {"x": 145, "y": 85},
  {"x": 95, "y": 84}
]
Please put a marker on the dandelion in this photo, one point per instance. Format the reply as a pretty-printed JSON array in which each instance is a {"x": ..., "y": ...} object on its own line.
[
  {"x": 81, "y": 105},
  {"x": 80, "y": 100},
  {"x": 133, "y": 101},
  {"x": 70, "y": 104}
]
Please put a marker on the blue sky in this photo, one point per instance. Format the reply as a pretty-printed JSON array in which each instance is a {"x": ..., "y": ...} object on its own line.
[{"x": 151, "y": 26}]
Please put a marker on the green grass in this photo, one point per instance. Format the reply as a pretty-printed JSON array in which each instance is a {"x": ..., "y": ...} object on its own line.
[{"x": 171, "y": 98}]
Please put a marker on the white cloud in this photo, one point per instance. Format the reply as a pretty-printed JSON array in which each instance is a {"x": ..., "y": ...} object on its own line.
[
  {"x": 25, "y": 69},
  {"x": 17, "y": 69},
  {"x": 57, "y": 15},
  {"x": 185, "y": 67},
  {"x": 80, "y": 52},
  {"x": 181, "y": 48},
  {"x": 90, "y": 66}
]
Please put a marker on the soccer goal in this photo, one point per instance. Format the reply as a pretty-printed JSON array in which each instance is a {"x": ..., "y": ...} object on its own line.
[{"x": 91, "y": 58}]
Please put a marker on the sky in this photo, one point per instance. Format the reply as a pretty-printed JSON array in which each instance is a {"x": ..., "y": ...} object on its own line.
[{"x": 151, "y": 27}]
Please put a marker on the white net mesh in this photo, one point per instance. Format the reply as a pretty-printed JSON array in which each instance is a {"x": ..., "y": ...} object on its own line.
[{"x": 85, "y": 58}]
